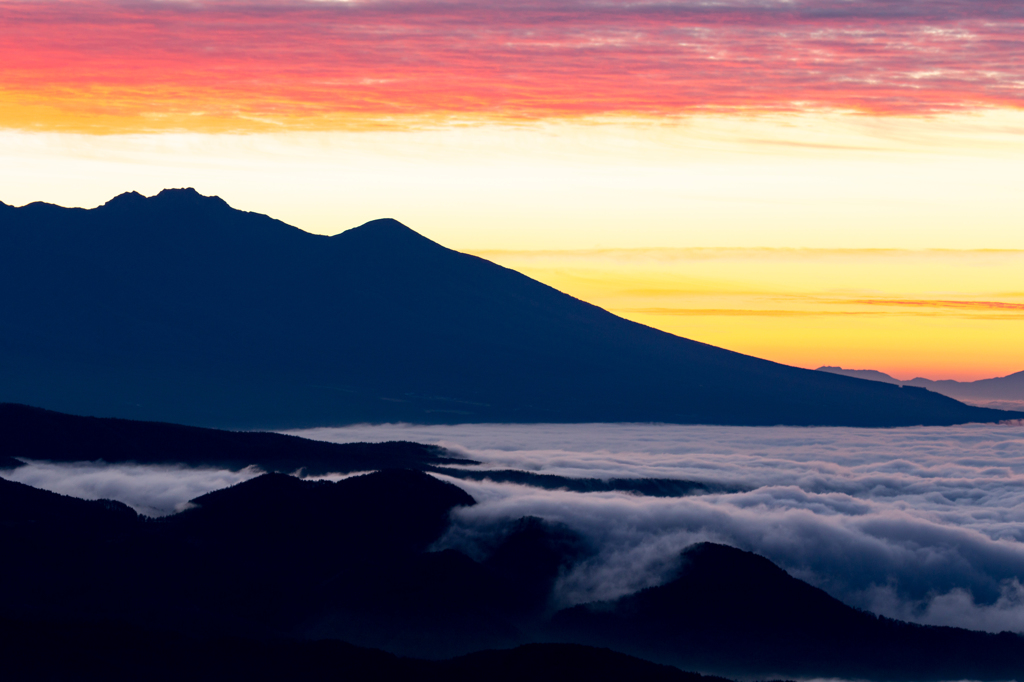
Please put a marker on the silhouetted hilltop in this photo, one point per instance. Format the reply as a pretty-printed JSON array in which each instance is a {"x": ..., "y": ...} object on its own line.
[
  {"x": 36, "y": 434},
  {"x": 277, "y": 559},
  {"x": 869, "y": 374},
  {"x": 179, "y": 308},
  {"x": 31, "y": 433},
  {"x": 735, "y": 612},
  {"x": 31, "y": 508},
  {"x": 1005, "y": 393},
  {"x": 273, "y": 555},
  {"x": 395, "y": 511}
]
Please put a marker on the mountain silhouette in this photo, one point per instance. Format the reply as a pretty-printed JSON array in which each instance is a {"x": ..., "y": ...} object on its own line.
[
  {"x": 737, "y": 613},
  {"x": 270, "y": 568},
  {"x": 1005, "y": 393},
  {"x": 32, "y": 433},
  {"x": 180, "y": 308}
]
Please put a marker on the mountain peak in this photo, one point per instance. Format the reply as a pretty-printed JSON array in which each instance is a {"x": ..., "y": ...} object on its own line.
[
  {"x": 126, "y": 199},
  {"x": 386, "y": 227},
  {"x": 186, "y": 197},
  {"x": 387, "y": 233},
  {"x": 386, "y": 224}
]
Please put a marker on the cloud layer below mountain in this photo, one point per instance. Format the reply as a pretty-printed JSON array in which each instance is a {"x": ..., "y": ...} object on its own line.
[
  {"x": 148, "y": 489},
  {"x": 923, "y": 524}
]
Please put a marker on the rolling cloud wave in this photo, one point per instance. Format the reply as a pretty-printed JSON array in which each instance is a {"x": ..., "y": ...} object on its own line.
[{"x": 923, "y": 524}]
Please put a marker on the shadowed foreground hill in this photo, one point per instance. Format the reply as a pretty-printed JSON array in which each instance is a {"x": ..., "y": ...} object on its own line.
[
  {"x": 278, "y": 565},
  {"x": 179, "y": 308},
  {"x": 737, "y": 613}
]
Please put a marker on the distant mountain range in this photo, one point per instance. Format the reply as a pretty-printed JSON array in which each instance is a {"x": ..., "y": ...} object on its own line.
[
  {"x": 1001, "y": 393},
  {"x": 276, "y": 573},
  {"x": 31, "y": 433},
  {"x": 180, "y": 308}
]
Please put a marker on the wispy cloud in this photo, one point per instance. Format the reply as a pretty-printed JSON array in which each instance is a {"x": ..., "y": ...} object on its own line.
[
  {"x": 296, "y": 63},
  {"x": 739, "y": 312},
  {"x": 990, "y": 310},
  {"x": 153, "y": 490},
  {"x": 984, "y": 306}
]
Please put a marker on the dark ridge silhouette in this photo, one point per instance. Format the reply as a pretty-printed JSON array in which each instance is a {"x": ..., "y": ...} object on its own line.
[
  {"x": 869, "y": 374},
  {"x": 651, "y": 487},
  {"x": 271, "y": 556},
  {"x": 734, "y": 612},
  {"x": 23, "y": 505},
  {"x": 31, "y": 433},
  {"x": 532, "y": 555},
  {"x": 277, "y": 559},
  {"x": 179, "y": 308},
  {"x": 34, "y": 651},
  {"x": 1001, "y": 392}
]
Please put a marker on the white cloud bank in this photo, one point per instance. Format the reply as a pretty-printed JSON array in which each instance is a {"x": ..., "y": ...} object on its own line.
[
  {"x": 153, "y": 490},
  {"x": 923, "y": 524}
]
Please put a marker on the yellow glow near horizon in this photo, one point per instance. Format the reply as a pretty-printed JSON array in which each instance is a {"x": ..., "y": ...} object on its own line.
[
  {"x": 653, "y": 192},
  {"x": 938, "y": 314},
  {"x": 826, "y": 181}
]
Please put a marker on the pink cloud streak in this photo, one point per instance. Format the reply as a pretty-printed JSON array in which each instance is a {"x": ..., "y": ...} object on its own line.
[{"x": 321, "y": 64}]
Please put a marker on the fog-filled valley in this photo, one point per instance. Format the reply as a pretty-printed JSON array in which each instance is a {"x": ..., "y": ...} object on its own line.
[{"x": 919, "y": 524}]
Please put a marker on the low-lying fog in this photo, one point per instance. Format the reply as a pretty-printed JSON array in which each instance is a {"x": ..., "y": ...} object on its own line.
[
  {"x": 922, "y": 524},
  {"x": 152, "y": 490}
]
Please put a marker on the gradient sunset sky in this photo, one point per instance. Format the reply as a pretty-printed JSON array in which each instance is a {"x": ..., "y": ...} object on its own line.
[{"x": 812, "y": 181}]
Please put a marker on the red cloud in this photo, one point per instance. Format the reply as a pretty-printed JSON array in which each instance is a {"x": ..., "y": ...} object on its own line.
[{"x": 335, "y": 64}]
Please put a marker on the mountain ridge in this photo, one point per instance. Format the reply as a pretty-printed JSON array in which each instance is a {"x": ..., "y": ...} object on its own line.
[
  {"x": 276, "y": 559},
  {"x": 736, "y": 613},
  {"x": 1005, "y": 392},
  {"x": 180, "y": 308}
]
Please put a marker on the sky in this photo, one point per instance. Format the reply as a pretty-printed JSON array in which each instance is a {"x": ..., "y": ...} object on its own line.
[{"x": 812, "y": 181}]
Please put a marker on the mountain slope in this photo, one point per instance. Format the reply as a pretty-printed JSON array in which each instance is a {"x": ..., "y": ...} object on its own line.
[
  {"x": 278, "y": 559},
  {"x": 179, "y": 308},
  {"x": 32, "y": 433},
  {"x": 736, "y": 613},
  {"x": 1005, "y": 393}
]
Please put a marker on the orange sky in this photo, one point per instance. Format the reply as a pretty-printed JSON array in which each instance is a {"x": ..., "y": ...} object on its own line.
[
  {"x": 796, "y": 137},
  {"x": 939, "y": 314},
  {"x": 102, "y": 66}
]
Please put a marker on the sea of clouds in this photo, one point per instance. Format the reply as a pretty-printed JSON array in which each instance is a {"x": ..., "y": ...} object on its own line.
[{"x": 921, "y": 524}]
